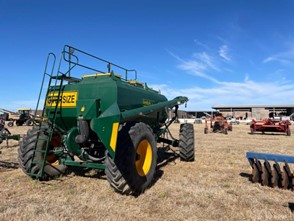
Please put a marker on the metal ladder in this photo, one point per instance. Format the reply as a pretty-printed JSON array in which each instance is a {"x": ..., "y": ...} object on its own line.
[{"x": 51, "y": 113}]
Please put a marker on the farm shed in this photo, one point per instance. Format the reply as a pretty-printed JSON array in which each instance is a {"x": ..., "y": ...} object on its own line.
[{"x": 258, "y": 112}]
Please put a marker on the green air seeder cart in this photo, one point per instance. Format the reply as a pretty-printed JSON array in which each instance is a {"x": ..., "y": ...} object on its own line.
[{"x": 102, "y": 121}]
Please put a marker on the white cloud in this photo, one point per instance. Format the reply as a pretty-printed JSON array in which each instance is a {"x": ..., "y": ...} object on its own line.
[
  {"x": 227, "y": 92},
  {"x": 268, "y": 59},
  {"x": 203, "y": 45},
  {"x": 223, "y": 53},
  {"x": 285, "y": 57},
  {"x": 276, "y": 58},
  {"x": 197, "y": 69},
  {"x": 207, "y": 60},
  {"x": 233, "y": 93},
  {"x": 203, "y": 63},
  {"x": 246, "y": 77},
  {"x": 199, "y": 65}
]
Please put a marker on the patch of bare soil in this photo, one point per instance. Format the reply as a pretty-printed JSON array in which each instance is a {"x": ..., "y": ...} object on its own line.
[{"x": 214, "y": 187}]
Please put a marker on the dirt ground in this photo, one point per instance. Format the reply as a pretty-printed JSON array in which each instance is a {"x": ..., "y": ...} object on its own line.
[{"x": 215, "y": 186}]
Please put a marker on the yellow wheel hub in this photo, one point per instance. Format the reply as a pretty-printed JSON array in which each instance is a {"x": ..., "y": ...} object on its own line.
[
  {"x": 52, "y": 160},
  {"x": 144, "y": 157}
]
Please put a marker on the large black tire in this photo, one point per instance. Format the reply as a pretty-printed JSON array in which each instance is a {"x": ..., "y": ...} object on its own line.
[
  {"x": 186, "y": 142},
  {"x": 53, "y": 168},
  {"x": 134, "y": 165},
  {"x": 115, "y": 177},
  {"x": 29, "y": 122},
  {"x": 10, "y": 124},
  {"x": 19, "y": 122}
]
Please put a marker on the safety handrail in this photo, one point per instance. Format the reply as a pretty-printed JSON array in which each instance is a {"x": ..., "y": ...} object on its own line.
[
  {"x": 43, "y": 80},
  {"x": 69, "y": 50}
]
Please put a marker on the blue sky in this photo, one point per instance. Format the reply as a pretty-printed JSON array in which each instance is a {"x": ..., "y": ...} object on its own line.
[{"x": 214, "y": 52}]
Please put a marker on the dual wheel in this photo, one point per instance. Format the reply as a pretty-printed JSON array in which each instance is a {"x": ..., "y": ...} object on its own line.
[{"x": 133, "y": 167}]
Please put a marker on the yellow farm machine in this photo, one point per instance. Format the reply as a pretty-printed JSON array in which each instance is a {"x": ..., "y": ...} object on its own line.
[{"x": 23, "y": 116}]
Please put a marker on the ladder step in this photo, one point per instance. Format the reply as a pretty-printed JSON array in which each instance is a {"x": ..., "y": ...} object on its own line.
[
  {"x": 53, "y": 87},
  {"x": 37, "y": 175},
  {"x": 43, "y": 139},
  {"x": 58, "y": 77},
  {"x": 35, "y": 162}
]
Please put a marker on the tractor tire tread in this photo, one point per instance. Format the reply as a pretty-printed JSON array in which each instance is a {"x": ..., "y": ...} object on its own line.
[
  {"x": 26, "y": 153},
  {"x": 186, "y": 144},
  {"x": 115, "y": 178}
]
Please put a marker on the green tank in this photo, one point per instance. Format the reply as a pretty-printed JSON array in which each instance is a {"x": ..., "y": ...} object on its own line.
[{"x": 103, "y": 120}]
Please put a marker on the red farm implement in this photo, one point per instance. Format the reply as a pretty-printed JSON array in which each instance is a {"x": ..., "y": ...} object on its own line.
[
  {"x": 270, "y": 125},
  {"x": 217, "y": 124}
]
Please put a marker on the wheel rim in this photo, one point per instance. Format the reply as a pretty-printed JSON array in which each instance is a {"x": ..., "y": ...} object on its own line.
[{"x": 144, "y": 157}]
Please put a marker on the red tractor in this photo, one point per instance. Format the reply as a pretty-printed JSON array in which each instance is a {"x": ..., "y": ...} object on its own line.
[{"x": 217, "y": 124}]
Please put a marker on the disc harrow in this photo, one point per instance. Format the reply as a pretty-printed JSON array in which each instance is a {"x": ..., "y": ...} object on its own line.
[{"x": 275, "y": 175}]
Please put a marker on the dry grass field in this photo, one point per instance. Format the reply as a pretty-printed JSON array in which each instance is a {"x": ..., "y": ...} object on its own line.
[{"x": 214, "y": 187}]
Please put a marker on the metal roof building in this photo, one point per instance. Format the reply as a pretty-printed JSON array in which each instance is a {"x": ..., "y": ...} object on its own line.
[{"x": 259, "y": 111}]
